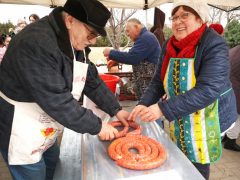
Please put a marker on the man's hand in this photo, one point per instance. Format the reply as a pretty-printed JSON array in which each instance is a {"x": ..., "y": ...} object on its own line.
[
  {"x": 106, "y": 52},
  {"x": 122, "y": 116},
  {"x": 111, "y": 63},
  {"x": 107, "y": 132}
]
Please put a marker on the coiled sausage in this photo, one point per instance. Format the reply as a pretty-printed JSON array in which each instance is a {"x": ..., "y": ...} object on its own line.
[
  {"x": 125, "y": 131},
  {"x": 150, "y": 153}
]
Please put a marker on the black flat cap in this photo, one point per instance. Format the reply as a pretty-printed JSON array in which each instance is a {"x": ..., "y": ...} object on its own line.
[{"x": 91, "y": 12}]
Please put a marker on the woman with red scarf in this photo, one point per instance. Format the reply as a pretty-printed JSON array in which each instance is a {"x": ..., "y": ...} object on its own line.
[{"x": 193, "y": 71}]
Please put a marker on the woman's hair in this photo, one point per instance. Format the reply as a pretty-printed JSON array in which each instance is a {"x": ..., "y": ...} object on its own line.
[
  {"x": 186, "y": 8},
  {"x": 35, "y": 16},
  {"x": 1, "y": 39}
]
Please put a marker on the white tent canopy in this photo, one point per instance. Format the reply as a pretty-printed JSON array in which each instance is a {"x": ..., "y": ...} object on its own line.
[{"x": 133, "y": 4}]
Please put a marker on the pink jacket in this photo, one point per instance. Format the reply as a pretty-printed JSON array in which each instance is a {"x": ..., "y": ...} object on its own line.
[{"x": 2, "y": 52}]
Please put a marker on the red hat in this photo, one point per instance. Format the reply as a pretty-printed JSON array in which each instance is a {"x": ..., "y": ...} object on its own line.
[{"x": 217, "y": 27}]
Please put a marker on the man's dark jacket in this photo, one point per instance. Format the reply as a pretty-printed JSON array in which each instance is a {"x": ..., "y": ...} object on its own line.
[{"x": 38, "y": 67}]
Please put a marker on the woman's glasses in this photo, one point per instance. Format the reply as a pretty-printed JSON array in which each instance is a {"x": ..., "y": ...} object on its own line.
[{"x": 182, "y": 17}]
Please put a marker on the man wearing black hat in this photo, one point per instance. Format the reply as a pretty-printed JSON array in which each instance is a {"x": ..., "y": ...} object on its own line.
[{"x": 42, "y": 76}]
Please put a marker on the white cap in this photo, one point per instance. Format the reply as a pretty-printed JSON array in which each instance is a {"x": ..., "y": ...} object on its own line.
[
  {"x": 200, "y": 6},
  {"x": 21, "y": 21}
]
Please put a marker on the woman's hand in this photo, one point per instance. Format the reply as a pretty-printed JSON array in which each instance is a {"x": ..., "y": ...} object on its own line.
[
  {"x": 146, "y": 114},
  {"x": 136, "y": 112},
  {"x": 155, "y": 112}
]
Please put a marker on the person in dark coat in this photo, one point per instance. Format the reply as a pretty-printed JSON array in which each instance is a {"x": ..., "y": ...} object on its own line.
[
  {"x": 157, "y": 29},
  {"x": 33, "y": 18},
  {"x": 233, "y": 133},
  {"x": 193, "y": 71},
  {"x": 42, "y": 76}
]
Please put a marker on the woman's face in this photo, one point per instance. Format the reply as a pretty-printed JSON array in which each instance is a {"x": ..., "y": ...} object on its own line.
[
  {"x": 184, "y": 23},
  {"x": 31, "y": 19},
  {"x": 7, "y": 41}
]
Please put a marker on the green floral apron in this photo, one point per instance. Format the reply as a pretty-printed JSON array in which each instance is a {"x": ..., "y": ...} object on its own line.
[{"x": 197, "y": 134}]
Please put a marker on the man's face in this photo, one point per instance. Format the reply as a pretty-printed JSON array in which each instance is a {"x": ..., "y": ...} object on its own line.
[
  {"x": 132, "y": 31},
  {"x": 81, "y": 35}
]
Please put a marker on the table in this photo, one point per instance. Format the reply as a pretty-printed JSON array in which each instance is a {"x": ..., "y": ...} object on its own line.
[{"x": 91, "y": 153}]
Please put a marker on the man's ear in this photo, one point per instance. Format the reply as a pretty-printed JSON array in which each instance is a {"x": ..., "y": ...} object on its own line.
[{"x": 68, "y": 21}]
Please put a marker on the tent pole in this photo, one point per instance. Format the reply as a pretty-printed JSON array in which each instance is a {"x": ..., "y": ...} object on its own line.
[
  {"x": 146, "y": 15},
  {"x": 146, "y": 8}
]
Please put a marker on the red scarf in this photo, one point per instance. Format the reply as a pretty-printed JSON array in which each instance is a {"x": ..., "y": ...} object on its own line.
[{"x": 186, "y": 48}]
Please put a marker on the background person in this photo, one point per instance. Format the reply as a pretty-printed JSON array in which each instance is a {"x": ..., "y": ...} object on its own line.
[
  {"x": 33, "y": 18},
  {"x": 7, "y": 40},
  {"x": 233, "y": 133},
  {"x": 41, "y": 81},
  {"x": 2, "y": 47},
  {"x": 21, "y": 24},
  {"x": 4, "y": 42},
  {"x": 157, "y": 28},
  {"x": 194, "y": 73},
  {"x": 143, "y": 56}
]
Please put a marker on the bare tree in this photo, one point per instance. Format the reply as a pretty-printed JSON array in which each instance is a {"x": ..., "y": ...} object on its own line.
[
  {"x": 218, "y": 15},
  {"x": 116, "y": 25},
  {"x": 232, "y": 15}
]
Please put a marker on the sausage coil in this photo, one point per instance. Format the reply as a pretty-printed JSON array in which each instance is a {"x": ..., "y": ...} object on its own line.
[
  {"x": 150, "y": 153},
  {"x": 137, "y": 128}
]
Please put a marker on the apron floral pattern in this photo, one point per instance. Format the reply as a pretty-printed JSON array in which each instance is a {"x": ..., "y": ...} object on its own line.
[{"x": 196, "y": 134}]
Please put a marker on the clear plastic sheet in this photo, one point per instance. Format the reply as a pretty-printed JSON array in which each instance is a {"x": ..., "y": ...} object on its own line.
[{"x": 97, "y": 165}]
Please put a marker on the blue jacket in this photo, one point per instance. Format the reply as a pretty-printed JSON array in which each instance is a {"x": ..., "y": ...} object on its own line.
[
  {"x": 212, "y": 82},
  {"x": 146, "y": 47}
]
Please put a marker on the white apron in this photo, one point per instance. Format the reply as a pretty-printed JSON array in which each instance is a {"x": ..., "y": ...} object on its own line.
[
  {"x": 33, "y": 131},
  {"x": 88, "y": 103}
]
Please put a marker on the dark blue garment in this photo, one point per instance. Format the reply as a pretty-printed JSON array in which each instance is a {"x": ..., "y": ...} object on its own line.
[
  {"x": 146, "y": 47},
  {"x": 212, "y": 81}
]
